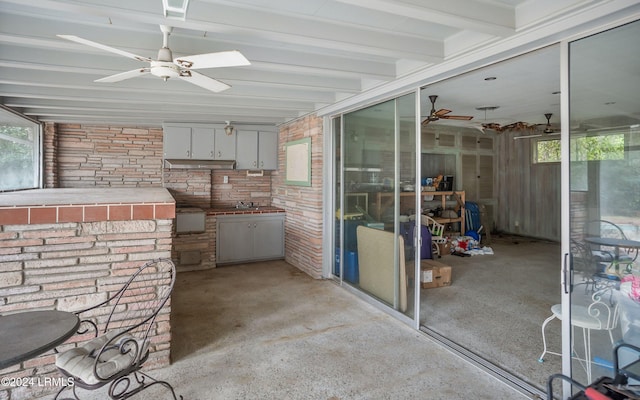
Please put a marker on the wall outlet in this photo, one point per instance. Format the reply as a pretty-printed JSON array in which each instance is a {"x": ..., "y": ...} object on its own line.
[{"x": 225, "y": 179}]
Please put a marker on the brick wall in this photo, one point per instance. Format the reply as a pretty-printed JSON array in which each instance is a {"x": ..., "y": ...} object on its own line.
[
  {"x": 97, "y": 155},
  {"x": 303, "y": 205},
  {"x": 67, "y": 266},
  {"x": 203, "y": 243},
  {"x": 206, "y": 188}
]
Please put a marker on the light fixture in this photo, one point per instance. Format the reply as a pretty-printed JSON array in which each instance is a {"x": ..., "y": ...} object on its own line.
[
  {"x": 176, "y": 9},
  {"x": 228, "y": 129}
]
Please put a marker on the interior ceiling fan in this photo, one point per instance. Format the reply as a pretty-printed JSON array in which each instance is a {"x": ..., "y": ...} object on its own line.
[
  {"x": 167, "y": 67},
  {"x": 523, "y": 126},
  {"x": 547, "y": 131},
  {"x": 442, "y": 113}
]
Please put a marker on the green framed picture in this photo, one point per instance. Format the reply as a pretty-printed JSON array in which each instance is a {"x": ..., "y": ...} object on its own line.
[{"x": 298, "y": 162}]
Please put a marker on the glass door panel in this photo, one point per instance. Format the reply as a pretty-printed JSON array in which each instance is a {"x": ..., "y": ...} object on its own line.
[
  {"x": 409, "y": 204},
  {"x": 337, "y": 174},
  {"x": 373, "y": 253},
  {"x": 604, "y": 169}
]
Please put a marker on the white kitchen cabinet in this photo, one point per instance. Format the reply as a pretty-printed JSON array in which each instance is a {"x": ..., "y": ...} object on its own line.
[
  {"x": 249, "y": 237},
  {"x": 176, "y": 142},
  {"x": 257, "y": 150},
  {"x": 202, "y": 143},
  {"x": 198, "y": 142},
  {"x": 225, "y": 145}
]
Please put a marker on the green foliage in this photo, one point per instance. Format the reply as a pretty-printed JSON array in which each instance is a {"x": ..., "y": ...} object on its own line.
[
  {"x": 548, "y": 151},
  {"x": 583, "y": 148},
  {"x": 16, "y": 157},
  {"x": 600, "y": 147}
]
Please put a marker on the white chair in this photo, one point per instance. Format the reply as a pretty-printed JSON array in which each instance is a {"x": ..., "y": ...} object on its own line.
[
  {"x": 600, "y": 315},
  {"x": 437, "y": 232}
]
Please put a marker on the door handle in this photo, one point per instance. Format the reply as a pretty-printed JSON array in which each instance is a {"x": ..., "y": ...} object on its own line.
[{"x": 566, "y": 272}]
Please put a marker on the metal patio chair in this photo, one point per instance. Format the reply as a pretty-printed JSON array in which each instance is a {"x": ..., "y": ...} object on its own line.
[
  {"x": 123, "y": 327},
  {"x": 607, "y": 229},
  {"x": 602, "y": 314}
]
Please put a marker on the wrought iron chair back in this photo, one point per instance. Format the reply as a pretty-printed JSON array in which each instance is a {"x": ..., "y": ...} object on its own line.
[
  {"x": 591, "y": 267},
  {"x": 123, "y": 327},
  {"x": 606, "y": 229}
]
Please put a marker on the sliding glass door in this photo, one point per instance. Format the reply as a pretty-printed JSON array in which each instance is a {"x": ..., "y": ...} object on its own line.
[
  {"x": 375, "y": 197},
  {"x": 603, "y": 163}
]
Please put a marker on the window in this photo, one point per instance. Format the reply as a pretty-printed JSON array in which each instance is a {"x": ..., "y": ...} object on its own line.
[
  {"x": 583, "y": 148},
  {"x": 547, "y": 151},
  {"x": 19, "y": 151},
  {"x": 597, "y": 147}
]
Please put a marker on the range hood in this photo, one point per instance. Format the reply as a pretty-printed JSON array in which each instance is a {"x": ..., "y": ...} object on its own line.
[{"x": 199, "y": 164}]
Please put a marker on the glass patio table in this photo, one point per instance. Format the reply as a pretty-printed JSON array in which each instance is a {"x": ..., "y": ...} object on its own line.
[{"x": 27, "y": 334}]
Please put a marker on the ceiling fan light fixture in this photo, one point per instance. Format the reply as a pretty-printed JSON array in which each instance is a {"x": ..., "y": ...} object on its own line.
[
  {"x": 228, "y": 129},
  {"x": 164, "y": 69},
  {"x": 175, "y": 9}
]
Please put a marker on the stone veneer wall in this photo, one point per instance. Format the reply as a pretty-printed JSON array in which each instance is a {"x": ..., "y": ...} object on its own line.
[
  {"x": 71, "y": 265},
  {"x": 303, "y": 205},
  {"x": 116, "y": 156},
  {"x": 206, "y": 188}
]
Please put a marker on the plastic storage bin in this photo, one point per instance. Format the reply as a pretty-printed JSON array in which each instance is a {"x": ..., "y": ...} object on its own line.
[{"x": 351, "y": 273}]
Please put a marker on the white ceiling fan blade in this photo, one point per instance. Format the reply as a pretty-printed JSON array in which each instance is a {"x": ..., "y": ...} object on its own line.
[
  {"x": 104, "y": 47},
  {"x": 230, "y": 58},
  {"x": 203, "y": 81},
  {"x": 124, "y": 75}
]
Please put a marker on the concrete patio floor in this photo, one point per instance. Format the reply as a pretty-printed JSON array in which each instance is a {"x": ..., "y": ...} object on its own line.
[{"x": 269, "y": 331}]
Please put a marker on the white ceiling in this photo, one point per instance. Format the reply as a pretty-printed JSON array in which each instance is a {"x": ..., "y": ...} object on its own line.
[{"x": 306, "y": 55}]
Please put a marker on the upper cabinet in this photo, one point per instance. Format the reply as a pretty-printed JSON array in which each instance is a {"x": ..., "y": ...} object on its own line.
[
  {"x": 198, "y": 142},
  {"x": 176, "y": 142},
  {"x": 225, "y": 145},
  {"x": 257, "y": 150},
  {"x": 251, "y": 149}
]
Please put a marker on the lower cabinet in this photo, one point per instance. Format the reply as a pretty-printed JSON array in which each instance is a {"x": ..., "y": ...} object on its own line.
[{"x": 255, "y": 237}]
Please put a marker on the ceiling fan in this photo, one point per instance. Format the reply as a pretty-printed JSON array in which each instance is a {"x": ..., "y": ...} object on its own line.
[
  {"x": 442, "y": 113},
  {"x": 548, "y": 129},
  {"x": 167, "y": 67}
]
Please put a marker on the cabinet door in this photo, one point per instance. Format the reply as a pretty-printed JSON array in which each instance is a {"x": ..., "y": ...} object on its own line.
[
  {"x": 470, "y": 176},
  {"x": 202, "y": 142},
  {"x": 225, "y": 145},
  {"x": 477, "y": 177},
  {"x": 268, "y": 150},
  {"x": 247, "y": 150},
  {"x": 234, "y": 241},
  {"x": 268, "y": 238},
  {"x": 176, "y": 142}
]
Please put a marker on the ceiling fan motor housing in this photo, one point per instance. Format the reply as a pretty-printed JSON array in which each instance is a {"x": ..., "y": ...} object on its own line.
[{"x": 165, "y": 69}]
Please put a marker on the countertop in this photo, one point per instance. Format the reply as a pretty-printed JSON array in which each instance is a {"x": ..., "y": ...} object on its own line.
[{"x": 84, "y": 196}]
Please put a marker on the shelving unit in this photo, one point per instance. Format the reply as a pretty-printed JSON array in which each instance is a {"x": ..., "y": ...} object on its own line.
[{"x": 382, "y": 200}]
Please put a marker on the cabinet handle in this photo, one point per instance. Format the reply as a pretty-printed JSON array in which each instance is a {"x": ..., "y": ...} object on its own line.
[
  {"x": 219, "y": 154},
  {"x": 188, "y": 155},
  {"x": 261, "y": 164},
  {"x": 249, "y": 225},
  {"x": 255, "y": 163},
  {"x": 255, "y": 225},
  {"x": 211, "y": 153}
]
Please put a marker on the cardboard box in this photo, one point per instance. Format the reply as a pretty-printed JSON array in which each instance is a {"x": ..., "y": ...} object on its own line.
[
  {"x": 445, "y": 249},
  {"x": 434, "y": 274}
]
